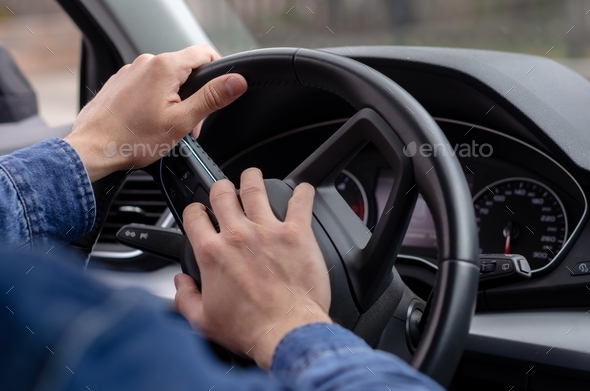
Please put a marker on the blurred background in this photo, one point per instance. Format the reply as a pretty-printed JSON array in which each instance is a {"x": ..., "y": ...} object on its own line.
[
  {"x": 44, "y": 41},
  {"x": 46, "y": 44}
]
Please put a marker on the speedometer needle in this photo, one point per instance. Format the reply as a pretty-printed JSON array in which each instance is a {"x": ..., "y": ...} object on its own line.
[
  {"x": 507, "y": 234},
  {"x": 507, "y": 245}
]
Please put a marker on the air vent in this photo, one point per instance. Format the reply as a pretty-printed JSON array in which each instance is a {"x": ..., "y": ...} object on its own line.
[{"x": 139, "y": 201}]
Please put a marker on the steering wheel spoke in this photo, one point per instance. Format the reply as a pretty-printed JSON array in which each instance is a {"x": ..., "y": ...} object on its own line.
[{"x": 367, "y": 255}]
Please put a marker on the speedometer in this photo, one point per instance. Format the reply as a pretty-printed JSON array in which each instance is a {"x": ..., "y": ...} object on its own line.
[
  {"x": 521, "y": 216},
  {"x": 353, "y": 192}
]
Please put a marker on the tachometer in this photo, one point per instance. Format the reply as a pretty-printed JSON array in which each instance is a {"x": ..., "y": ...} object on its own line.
[
  {"x": 351, "y": 189},
  {"x": 521, "y": 216}
]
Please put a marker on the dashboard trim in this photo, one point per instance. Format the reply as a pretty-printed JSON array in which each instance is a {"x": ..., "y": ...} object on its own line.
[
  {"x": 576, "y": 231},
  {"x": 529, "y": 336},
  {"x": 419, "y": 260}
]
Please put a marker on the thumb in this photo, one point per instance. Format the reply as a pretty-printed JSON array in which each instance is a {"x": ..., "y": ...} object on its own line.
[
  {"x": 213, "y": 96},
  {"x": 189, "y": 300}
]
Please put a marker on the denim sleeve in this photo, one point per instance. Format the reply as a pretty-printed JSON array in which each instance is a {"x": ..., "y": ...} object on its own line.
[
  {"x": 46, "y": 198},
  {"x": 61, "y": 331},
  {"x": 324, "y": 357}
]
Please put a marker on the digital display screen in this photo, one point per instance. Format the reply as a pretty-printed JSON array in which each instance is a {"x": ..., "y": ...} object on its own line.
[{"x": 421, "y": 231}]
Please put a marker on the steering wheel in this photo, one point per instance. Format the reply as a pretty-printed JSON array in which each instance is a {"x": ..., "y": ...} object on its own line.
[{"x": 366, "y": 289}]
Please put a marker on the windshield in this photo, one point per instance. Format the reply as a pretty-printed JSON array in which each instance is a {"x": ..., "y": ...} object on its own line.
[{"x": 559, "y": 29}]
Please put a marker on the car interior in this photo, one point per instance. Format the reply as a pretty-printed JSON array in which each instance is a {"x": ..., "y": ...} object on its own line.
[{"x": 479, "y": 275}]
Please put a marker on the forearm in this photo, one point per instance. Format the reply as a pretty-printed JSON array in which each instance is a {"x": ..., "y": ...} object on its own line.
[
  {"x": 46, "y": 197},
  {"x": 322, "y": 357}
]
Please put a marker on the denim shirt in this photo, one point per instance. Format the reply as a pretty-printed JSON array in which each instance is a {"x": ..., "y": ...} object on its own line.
[
  {"x": 60, "y": 330},
  {"x": 46, "y": 197}
]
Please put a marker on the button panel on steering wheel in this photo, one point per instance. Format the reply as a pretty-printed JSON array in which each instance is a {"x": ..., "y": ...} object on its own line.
[{"x": 187, "y": 174}]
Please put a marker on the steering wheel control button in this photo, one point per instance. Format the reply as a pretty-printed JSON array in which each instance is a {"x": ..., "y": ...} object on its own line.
[
  {"x": 186, "y": 174},
  {"x": 501, "y": 269},
  {"x": 581, "y": 269}
]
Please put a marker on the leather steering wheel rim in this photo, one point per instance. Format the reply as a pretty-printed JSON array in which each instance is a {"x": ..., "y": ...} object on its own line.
[{"x": 439, "y": 178}]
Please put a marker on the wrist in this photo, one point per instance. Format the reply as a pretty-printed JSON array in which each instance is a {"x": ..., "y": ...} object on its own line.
[
  {"x": 269, "y": 337},
  {"x": 99, "y": 161}
]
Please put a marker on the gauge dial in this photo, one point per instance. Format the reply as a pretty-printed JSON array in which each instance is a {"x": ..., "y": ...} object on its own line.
[
  {"x": 353, "y": 192},
  {"x": 521, "y": 216}
]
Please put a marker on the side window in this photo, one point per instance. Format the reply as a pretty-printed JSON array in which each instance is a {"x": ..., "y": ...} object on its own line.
[{"x": 45, "y": 44}]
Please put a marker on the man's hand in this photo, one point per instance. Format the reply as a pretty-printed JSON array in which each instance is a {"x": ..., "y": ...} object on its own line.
[
  {"x": 137, "y": 116},
  {"x": 261, "y": 277}
]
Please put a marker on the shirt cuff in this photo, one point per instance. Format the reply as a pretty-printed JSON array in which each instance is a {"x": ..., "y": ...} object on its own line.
[
  {"x": 54, "y": 190},
  {"x": 323, "y": 356},
  {"x": 303, "y": 345}
]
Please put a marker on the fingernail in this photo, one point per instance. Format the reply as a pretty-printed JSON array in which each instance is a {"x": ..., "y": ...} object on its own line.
[
  {"x": 234, "y": 87},
  {"x": 176, "y": 281}
]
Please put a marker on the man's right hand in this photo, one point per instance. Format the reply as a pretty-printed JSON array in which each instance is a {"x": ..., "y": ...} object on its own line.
[{"x": 261, "y": 277}]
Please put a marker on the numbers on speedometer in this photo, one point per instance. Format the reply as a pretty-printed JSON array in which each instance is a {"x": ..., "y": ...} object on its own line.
[{"x": 521, "y": 216}]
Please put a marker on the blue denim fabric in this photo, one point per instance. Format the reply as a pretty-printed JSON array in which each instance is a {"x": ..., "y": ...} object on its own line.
[
  {"x": 45, "y": 196},
  {"x": 60, "y": 330},
  {"x": 328, "y": 357}
]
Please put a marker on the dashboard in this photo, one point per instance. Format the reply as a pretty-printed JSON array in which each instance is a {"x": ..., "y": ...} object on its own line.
[{"x": 525, "y": 202}]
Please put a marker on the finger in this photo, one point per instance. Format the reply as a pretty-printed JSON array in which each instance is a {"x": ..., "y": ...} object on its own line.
[
  {"x": 215, "y": 95},
  {"x": 300, "y": 206},
  {"x": 197, "y": 129},
  {"x": 197, "y": 225},
  {"x": 195, "y": 56},
  {"x": 225, "y": 204},
  {"x": 254, "y": 197},
  {"x": 191, "y": 58},
  {"x": 188, "y": 300}
]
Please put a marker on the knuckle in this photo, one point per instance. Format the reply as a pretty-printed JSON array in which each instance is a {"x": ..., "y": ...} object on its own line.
[
  {"x": 222, "y": 189},
  {"x": 213, "y": 100},
  {"x": 143, "y": 58},
  {"x": 206, "y": 250},
  {"x": 209, "y": 49},
  {"x": 290, "y": 233},
  {"x": 159, "y": 61},
  {"x": 236, "y": 236},
  {"x": 252, "y": 189}
]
